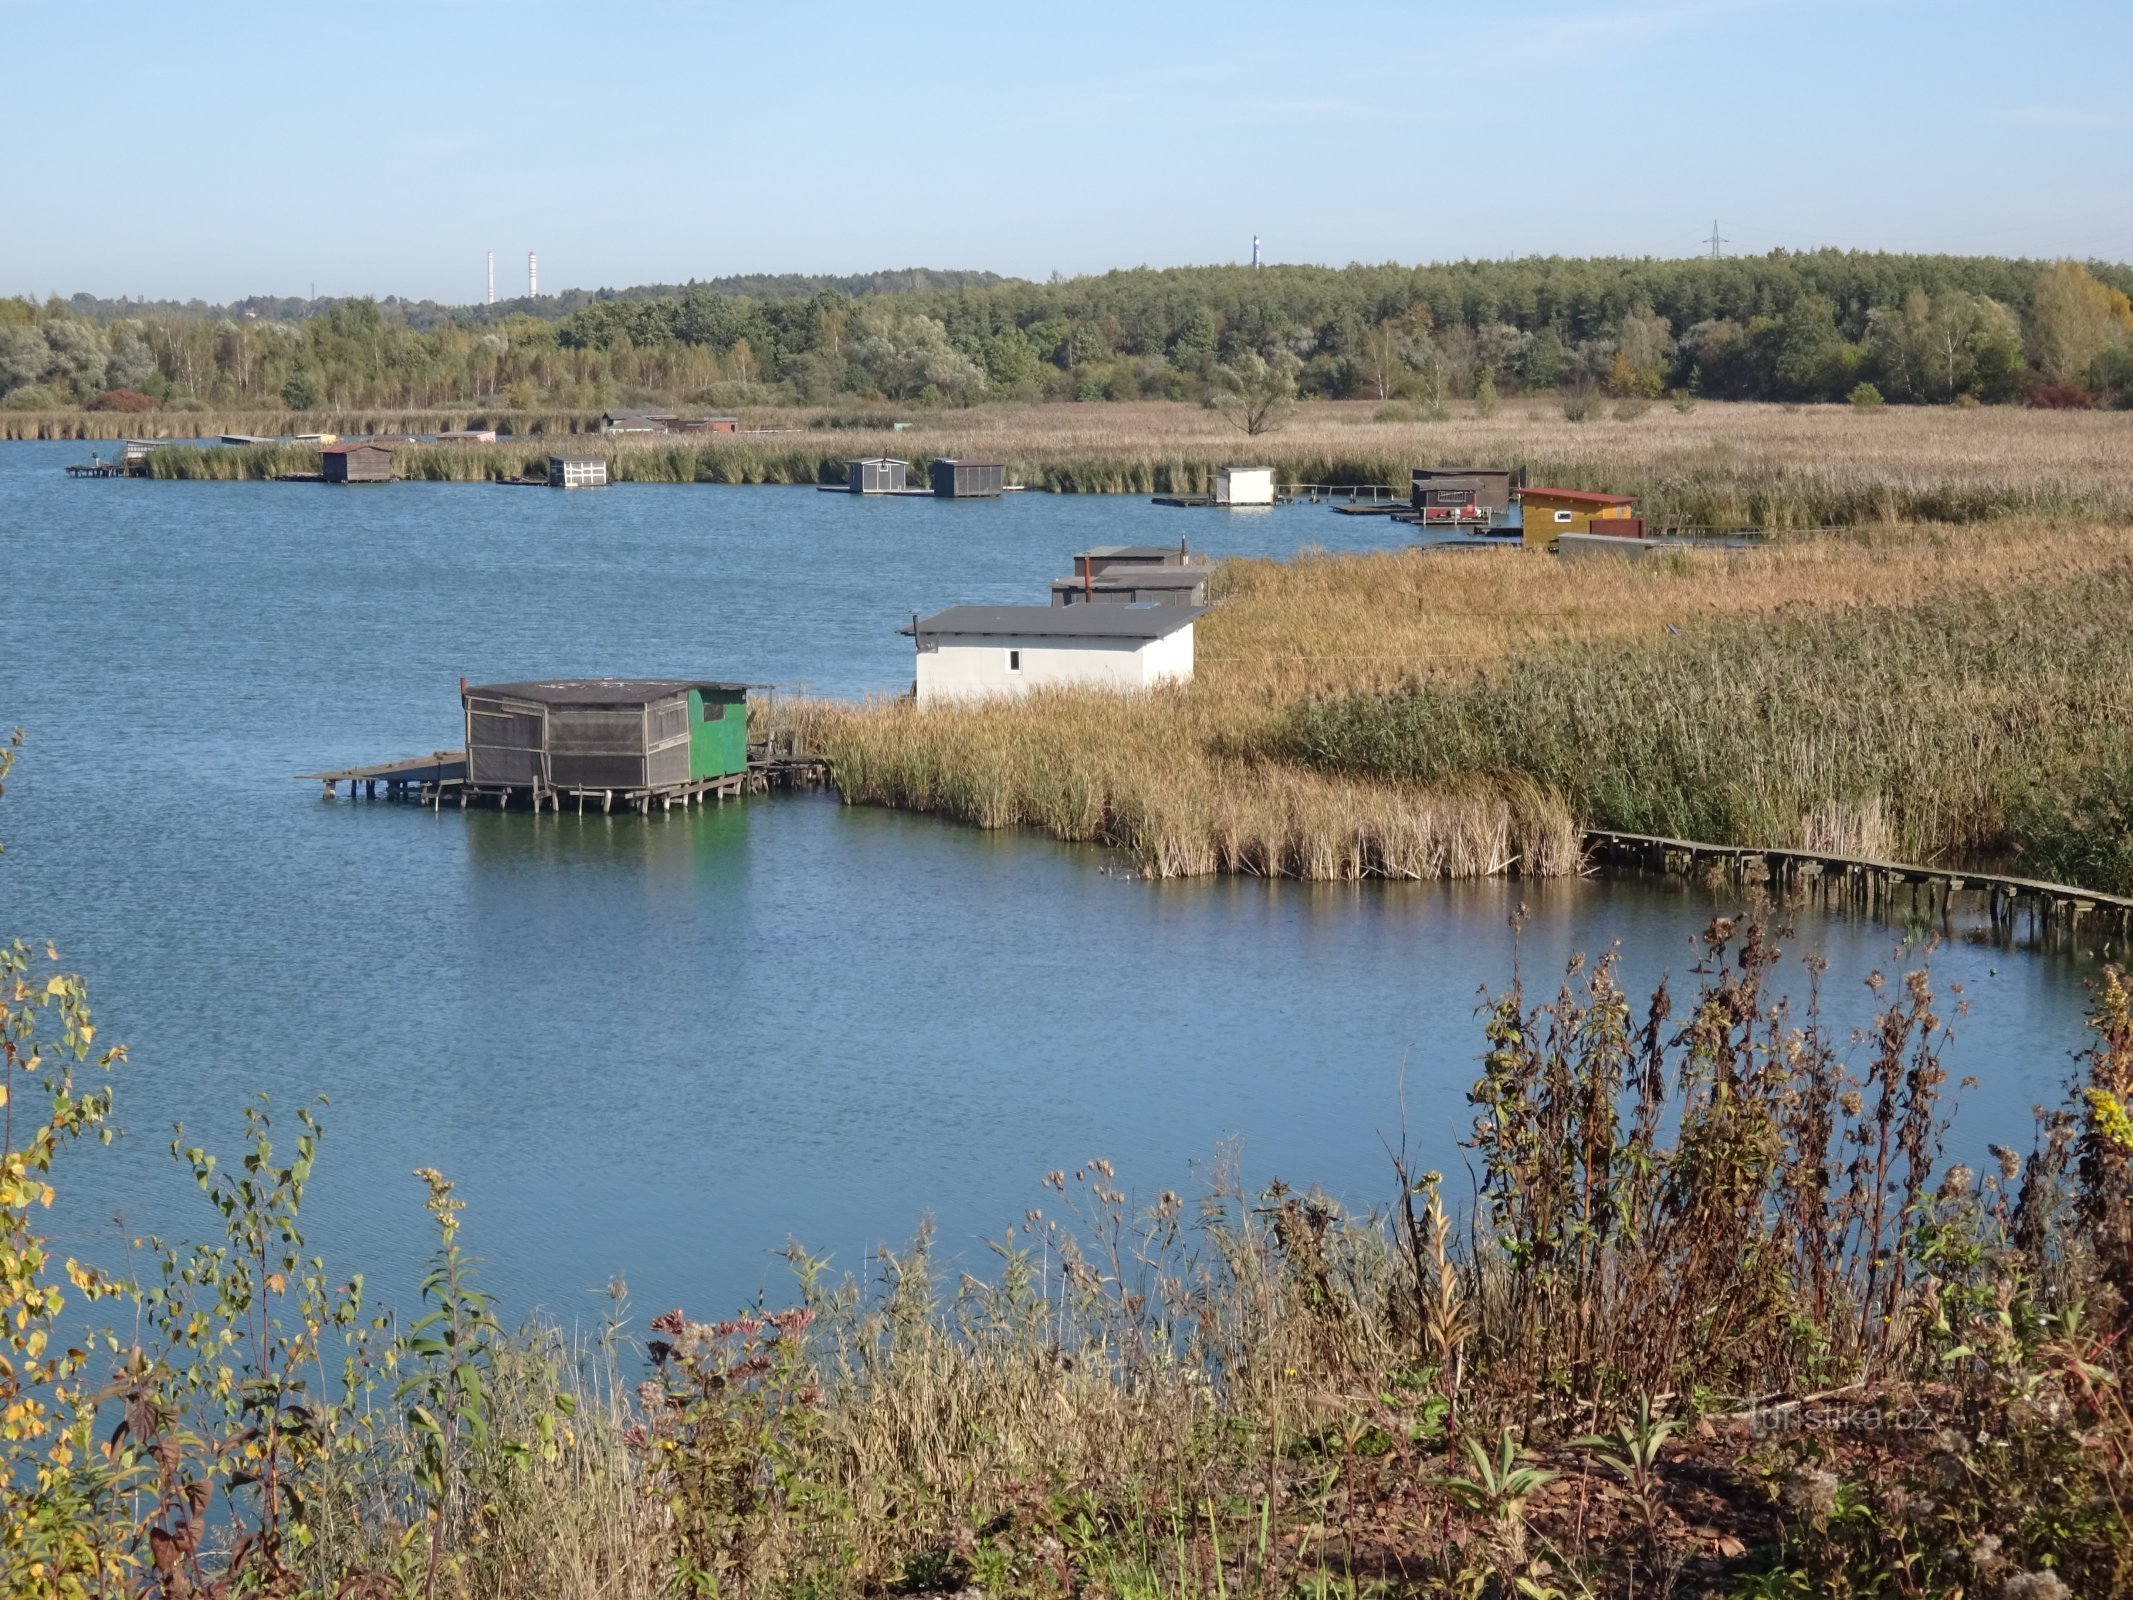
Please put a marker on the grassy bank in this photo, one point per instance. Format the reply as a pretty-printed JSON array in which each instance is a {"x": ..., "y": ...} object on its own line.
[
  {"x": 1721, "y": 1320},
  {"x": 1914, "y": 692},
  {"x": 1716, "y": 466},
  {"x": 1920, "y": 731},
  {"x": 209, "y": 424}
]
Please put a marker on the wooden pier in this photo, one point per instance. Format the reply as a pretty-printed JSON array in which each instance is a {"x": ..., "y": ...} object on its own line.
[
  {"x": 439, "y": 780},
  {"x": 2047, "y": 910},
  {"x": 1379, "y": 497},
  {"x": 132, "y": 462}
]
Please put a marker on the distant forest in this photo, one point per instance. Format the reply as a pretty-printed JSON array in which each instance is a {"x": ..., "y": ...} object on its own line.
[{"x": 1825, "y": 325}]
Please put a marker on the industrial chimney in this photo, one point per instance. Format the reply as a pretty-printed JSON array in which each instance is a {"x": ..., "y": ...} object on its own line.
[
  {"x": 533, "y": 274},
  {"x": 492, "y": 277}
]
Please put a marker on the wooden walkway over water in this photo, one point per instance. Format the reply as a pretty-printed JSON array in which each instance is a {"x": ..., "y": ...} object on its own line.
[
  {"x": 439, "y": 779},
  {"x": 1877, "y": 886}
]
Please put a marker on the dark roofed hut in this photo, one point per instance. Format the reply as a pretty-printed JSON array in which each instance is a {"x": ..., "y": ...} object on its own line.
[
  {"x": 966, "y": 480},
  {"x": 634, "y": 739},
  {"x": 361, "y": 462},
  {"x": 1105, "y": 558},
  {"x": 1135, "y": 585},
  {"x": 1488, "y": 488}
]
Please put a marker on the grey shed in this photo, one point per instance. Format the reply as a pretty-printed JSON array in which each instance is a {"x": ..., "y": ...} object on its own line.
[
  {"x": 876, "y": 475},
  {"x": 962, "y": 480},
  {"x": 1130, "y": 585},
  {"x": 361, "y": 462}
]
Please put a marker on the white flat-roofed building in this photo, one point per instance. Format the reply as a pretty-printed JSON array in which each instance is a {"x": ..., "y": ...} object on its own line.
[
  {"x": 979, "y": 652},
  {"x": 1244, "y": 486}
]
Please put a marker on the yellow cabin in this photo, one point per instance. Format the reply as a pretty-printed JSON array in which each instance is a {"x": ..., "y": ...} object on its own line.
[{"x": 1549, "y": 512}]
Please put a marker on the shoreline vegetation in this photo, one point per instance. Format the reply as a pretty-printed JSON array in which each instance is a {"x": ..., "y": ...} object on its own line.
[
  {"x": 1721, "y": 1317},
  {"x": 1717, "y": 465},
  {"x": 1941, "y": 695},
  {"x": 1920, "y": 664}
]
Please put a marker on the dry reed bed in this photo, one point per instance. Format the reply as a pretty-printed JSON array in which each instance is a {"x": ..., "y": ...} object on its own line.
[
  {"x": 211, "y": 424},
  {"x": 1718, "y": 465},
  {"x": 1211, "y": 777},
  {"x": 1928, "y": 732}
]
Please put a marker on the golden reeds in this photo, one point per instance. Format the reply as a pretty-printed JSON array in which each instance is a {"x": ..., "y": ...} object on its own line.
[
  {"x": 1215, "y": 777},
  {"x": 1720, "y": 465}
]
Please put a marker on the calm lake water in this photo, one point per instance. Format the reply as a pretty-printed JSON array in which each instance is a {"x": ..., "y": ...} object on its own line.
[{"x": 661, "y": 1047}]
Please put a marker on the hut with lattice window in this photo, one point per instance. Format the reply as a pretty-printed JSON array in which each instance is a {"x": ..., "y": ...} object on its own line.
[{"x": 639, "y": 741}]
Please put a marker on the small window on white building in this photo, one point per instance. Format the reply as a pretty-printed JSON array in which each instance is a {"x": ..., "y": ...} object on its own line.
[{"x": 1014, "y": 661}]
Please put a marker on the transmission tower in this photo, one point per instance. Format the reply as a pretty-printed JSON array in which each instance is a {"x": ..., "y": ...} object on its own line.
[{"x": 1717, "y": 242}]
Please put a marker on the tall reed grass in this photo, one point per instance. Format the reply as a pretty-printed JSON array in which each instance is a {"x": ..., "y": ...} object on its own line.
[
  {"x": 209, "y": 423},
  {"x": 1147, "y": 777},
  {"x": 1448, "y": 714},
  {"x": 1723, "y": 466},
  {"x": 1915, "y": 731}
]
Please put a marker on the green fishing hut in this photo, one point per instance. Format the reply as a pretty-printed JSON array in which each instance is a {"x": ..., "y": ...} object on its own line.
[{"x": 637, "y": 739}]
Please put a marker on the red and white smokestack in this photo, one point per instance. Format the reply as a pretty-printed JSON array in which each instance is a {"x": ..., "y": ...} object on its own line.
[{"x": 533, "y": 274}]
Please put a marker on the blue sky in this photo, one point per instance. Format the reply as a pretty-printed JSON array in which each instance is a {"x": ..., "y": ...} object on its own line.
[{"x": 237, "y": 148}]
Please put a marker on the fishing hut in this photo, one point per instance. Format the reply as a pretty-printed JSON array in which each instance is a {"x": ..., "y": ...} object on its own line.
[
  {"x": 1550, "y": 512},
  {"x": 877, "y": 475},
  {"x": 640, "y": 741},
  {"x": 1103, "y": 558},
  {"x": 1244, "y": 486},
  {"x": 363, "y": 462},
  {"x": 977, "y": 652},
  {"x": 1488, "y": 489},
  {"x": 577, "y": 472},
  {"x": 1140, "y": 586},
  {"x": 955, "y": 479}
]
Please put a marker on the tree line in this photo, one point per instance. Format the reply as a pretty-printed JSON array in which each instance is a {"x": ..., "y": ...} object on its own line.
[{"x": 1799, "y": 327}]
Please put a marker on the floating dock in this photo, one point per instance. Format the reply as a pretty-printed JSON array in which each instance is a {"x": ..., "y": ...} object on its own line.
[
  {"x": 131, "y": 462},
  {"x": 439, "y": 780}
]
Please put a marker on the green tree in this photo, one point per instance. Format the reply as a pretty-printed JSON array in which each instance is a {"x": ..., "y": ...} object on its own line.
[
  {"x": 1547, "y": 360},
  {"x": 1193, "y": 349},
  {"x": 1010, "y": 364},
  {"x": 78, "y": 356},
  {"x": 1644, "y": 349},
  {"x": 299, "y": 391},
  {"x": 2073, "y": 320},
  {"x": 23, "y": 357},
  {"x": 1809, "y": 357},
  {"x": 1256, "y": 393},
  {"x": 907, "y": 354}
]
